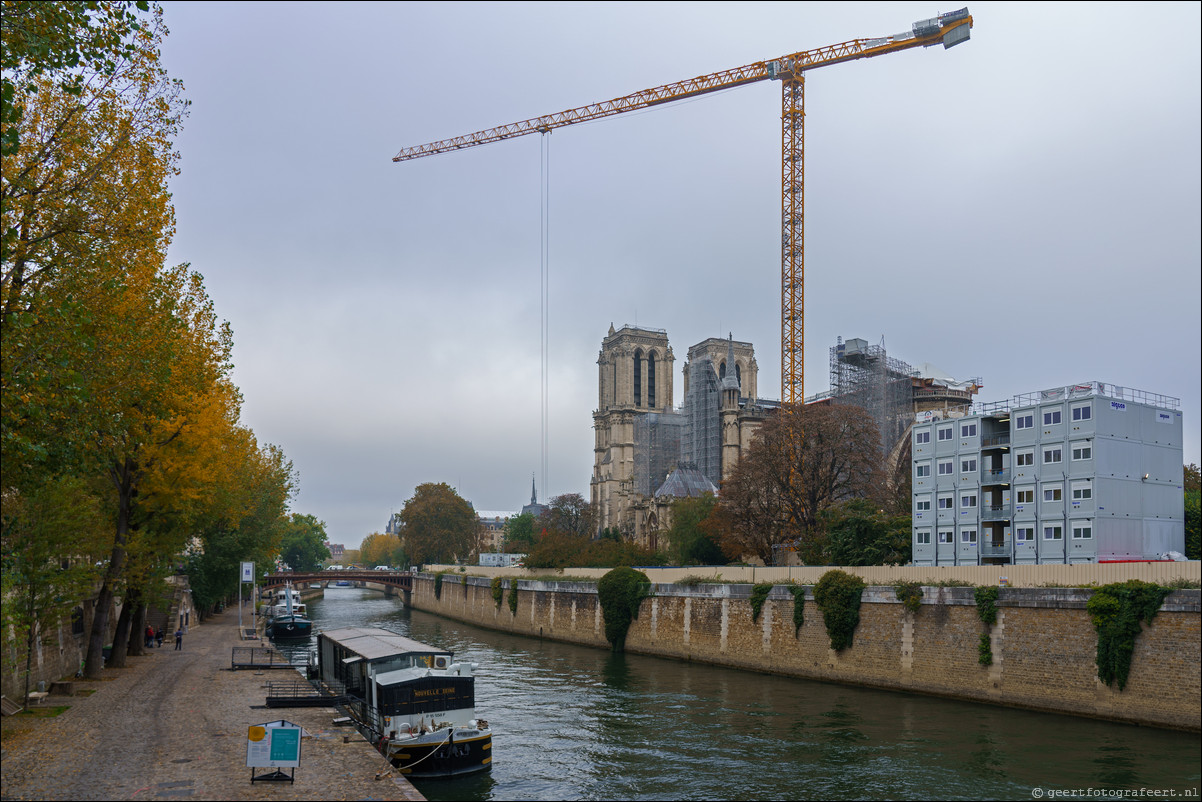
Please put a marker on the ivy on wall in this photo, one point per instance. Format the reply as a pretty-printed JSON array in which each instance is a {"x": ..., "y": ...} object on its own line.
[
  {"x": 986, "y": 599},
  {"x": 620, "y": 593},
  {"x": 498, "y": 591},
  {"x": 759, "y": 593},
  {"x": 838, "y": 596},
  {"x": 799, "y": 607},
  {"x": 1116, "y": 611},
  {"x": 513, "y": 596},
  {"x": 438, "y": 585}
]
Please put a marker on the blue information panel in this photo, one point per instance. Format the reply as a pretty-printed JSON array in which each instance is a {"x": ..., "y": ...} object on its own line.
[{"x": 273, "y": 745}]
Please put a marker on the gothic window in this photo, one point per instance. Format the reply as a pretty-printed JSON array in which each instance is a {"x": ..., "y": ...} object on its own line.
[
  {"x": 638, "y": 378},
  {"x": 722, "y": 370},
  {"x": 651, "y": 379},
  {"x": 739, "y": 374}
]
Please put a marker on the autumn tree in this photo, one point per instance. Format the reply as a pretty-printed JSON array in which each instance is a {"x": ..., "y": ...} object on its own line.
[
  {"x": 440, "y": 527},
  {"x": 803, "y": 460},
  {"x": 380, "y": 549},
  {"x": 569, "y": 514}
]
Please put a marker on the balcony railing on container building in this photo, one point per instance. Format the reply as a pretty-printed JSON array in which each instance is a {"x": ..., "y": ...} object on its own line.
[
  {"x": 999, "y": 512},
  {"x": 1001, "y": 477},
  {"x": 991, "y": 548}
]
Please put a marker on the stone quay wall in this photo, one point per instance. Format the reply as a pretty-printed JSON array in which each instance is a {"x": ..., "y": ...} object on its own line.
[{"x": 1044, "y": 645}]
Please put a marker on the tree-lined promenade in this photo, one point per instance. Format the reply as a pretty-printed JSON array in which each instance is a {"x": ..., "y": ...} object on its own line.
[{"x": 123, "y": 456}]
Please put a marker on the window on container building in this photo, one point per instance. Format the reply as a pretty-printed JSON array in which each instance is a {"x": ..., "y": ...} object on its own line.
[
  {"x": 944, "y": 433},
  {"x": 1082, "y": 451},
  {"x": 1051, "y": 416},
  {"x": 1024, "y": 421},
  {"x": 1084, "y": 412}
]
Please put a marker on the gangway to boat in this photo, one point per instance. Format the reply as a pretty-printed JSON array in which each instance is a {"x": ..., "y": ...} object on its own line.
[
  {"x": 299, "y": 693},
  {"x": 258, "y": 657}
]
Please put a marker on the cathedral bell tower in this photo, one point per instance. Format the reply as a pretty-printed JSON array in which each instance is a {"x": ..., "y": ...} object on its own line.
[{"x": 634, "y": 377}]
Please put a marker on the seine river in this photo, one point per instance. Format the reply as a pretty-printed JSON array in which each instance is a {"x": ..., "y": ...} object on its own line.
[{"x": 571, "y": 722}]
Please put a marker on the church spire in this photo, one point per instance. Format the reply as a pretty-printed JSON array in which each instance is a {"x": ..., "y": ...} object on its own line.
[{"x": 533, "y": 491}]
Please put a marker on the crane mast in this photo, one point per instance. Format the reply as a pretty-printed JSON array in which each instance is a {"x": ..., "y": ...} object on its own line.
[{"x": 947, "y": 29}]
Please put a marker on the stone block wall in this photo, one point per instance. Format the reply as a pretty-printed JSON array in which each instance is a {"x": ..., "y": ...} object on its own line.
[{"x": 1043, "y": 643}]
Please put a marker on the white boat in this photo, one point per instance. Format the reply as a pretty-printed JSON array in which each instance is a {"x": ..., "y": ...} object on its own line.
[
  {"x": 413, "y": 701},
  {"x": 279, "y": 603}
]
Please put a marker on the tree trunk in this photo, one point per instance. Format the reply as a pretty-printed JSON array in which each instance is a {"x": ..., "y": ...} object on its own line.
[
  {"x": 121, "y": 634},
  {"x": 122, "y": 478}
]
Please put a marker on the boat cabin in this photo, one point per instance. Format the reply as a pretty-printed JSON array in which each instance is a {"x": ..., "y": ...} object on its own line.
[{"x": 394, "y": 675}]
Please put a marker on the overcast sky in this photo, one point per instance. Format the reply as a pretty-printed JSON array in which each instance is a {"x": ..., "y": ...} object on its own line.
[{"x": 1023, "y": 208}]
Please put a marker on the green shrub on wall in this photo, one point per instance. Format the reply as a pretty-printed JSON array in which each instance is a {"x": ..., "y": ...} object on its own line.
[
  {"x": 759, "y": 593},
  {"x": 620, "y": 593},
  {"x": 498, "y": 591},
  {"x": 1116, "y": 611},
  {"x": 838, "y": 596},
  {"x": 985, "y": 650},
  {"x": 513, "y": 596},
  {"x": 438, "y": 585},
  {"x": 909, "y": 594},
  {"x": 799, "y": 607}
]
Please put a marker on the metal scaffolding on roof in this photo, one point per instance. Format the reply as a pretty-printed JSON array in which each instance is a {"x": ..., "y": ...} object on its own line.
[{"x": 866, "y": 376}]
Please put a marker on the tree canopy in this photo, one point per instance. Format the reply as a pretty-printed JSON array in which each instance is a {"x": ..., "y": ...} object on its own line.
[
  {"x": 303, "y": 544},
  {"x": 802, "y": 461},
  {"x": 440, "y": 527}
]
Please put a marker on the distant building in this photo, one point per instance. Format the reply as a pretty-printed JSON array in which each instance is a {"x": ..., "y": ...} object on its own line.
[
  {"x": 491, "y": 525},
  {"x": 336, "y": 550},
  {"x": 1085, "y": 473}
]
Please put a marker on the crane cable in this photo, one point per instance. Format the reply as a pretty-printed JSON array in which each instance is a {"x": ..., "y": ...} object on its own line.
[{"x": 545, "y": 294}]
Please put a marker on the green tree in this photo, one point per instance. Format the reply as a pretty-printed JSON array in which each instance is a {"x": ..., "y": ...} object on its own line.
[
  {"x": 519, "y": 533},
  {"x": 860, "y": 533},
  {"x": 691, "y": 543},
  {"x": 51, "y": 540},
  {"x": 63, "y": 41},
  {"x": 440, "y": 527},
  {"x": 303, "y": 545}
]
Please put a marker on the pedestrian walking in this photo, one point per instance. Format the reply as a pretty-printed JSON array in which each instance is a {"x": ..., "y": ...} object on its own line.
[
  {"x": 179, "y": 640},
  {"x": 149, "y": 635},
  {"x": 158, "y": 637}
]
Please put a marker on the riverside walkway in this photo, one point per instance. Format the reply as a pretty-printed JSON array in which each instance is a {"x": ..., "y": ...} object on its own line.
[{"x": 173, "y": 724}]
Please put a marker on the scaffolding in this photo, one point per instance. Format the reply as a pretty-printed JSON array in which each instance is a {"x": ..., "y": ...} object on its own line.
[
  {"x": 701, "y": 444},
  {"x": 657, "y": 441},
  {"x": 866, "y": 376}
]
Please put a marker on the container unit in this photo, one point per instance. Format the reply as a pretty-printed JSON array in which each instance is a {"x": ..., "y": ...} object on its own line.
[{"x": 1083, "y": 473}]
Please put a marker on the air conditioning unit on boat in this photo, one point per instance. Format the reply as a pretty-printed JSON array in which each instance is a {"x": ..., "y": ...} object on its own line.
[{"x": 440, "y": 662}]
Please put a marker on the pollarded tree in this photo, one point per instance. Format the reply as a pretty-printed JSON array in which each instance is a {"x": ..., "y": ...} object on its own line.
[{"x": 439, "y": 525}]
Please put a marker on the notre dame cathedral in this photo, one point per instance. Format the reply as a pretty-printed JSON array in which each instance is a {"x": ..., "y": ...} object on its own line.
[{"x": 648, "y": 452}]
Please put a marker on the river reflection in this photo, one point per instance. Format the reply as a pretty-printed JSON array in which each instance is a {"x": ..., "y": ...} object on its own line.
[{"x": 571, "y": 722}]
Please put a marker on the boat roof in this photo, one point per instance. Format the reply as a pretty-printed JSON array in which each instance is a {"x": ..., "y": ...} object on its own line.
[{"x": 373, "y": 643}]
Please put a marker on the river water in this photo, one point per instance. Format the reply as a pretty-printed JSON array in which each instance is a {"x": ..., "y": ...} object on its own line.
[{"x": 570, "y": 722}]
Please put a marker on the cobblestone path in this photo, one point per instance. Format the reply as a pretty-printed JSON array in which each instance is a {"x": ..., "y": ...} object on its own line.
[{"x": 173, "y": 724}]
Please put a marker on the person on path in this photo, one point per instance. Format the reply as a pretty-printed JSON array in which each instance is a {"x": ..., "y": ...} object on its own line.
[
  {"x": 158, "y": 637},
  {"x": 149, "y": 635},
  {"x": 179, "y": 640}
]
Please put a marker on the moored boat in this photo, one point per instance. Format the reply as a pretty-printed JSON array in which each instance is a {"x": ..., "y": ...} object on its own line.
[
  {"x": 289, "y": 622},
  {"x": 412, "y": 700}
]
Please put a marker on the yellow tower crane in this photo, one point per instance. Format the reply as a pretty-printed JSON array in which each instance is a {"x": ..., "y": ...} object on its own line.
[{"x": 947, "y": 29}]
